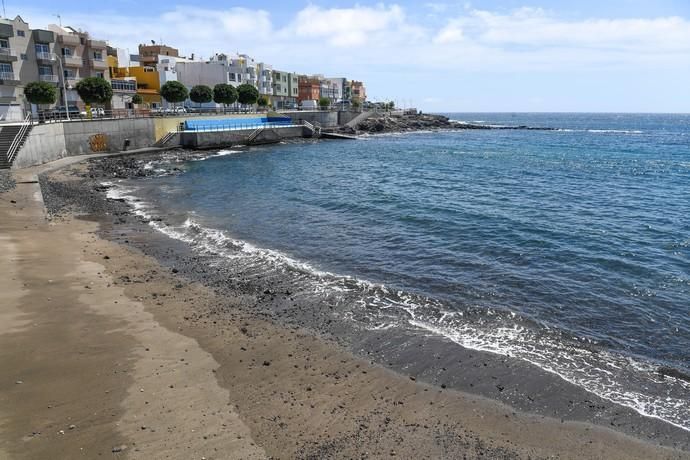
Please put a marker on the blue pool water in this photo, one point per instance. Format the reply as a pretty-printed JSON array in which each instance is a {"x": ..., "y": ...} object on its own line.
[{"x": 569, "y": 249}]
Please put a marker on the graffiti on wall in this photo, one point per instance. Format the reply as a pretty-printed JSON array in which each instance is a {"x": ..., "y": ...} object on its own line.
[{"x": 98, "y": 142}]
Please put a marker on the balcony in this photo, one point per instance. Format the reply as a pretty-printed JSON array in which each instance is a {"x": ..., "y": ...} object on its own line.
[
  {"x": 45, "y": 56},
  {"x": 73, "y": 61},
  {"x": 8, "y": 78},
  {"x": 98, "y": 63},
  {"x": 69, "y": 39},
  {"x": 72, "y": 80},
  {"x": 98, "y": 44},
  {"x": 7, "y": 55},
  {"x": 49, "y": 78},
  {"x": 124, "y": 86}
]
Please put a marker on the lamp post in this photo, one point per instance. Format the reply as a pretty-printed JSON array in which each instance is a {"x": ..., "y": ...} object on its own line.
[{"x": 64, "y": 86}]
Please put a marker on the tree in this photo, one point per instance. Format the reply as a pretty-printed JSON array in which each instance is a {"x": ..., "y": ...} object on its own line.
[
  {"x": 40, "y": 93},
  {"x": 224, "y": 94},
  {"x": 201, "y": 94},
  {"x": 262, "y": 102},
  {"x": 324, "y": 102},
  {"x": 137, "y": 99},
  {"x": 247, "y": 94},
  {"x": 356, "y": 104},
  {"x": 174, "y": 92},
  {"x": 391, "y": 105},
  {"x": 94, "y": 90}
]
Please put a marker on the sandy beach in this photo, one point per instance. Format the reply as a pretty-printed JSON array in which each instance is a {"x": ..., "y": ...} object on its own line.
[{"x": 108, "y": 353}]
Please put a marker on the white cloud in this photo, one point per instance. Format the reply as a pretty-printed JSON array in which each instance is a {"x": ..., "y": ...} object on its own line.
[
  {"x": 348, "y": 27},
  {"x": 450, "y": 33}
]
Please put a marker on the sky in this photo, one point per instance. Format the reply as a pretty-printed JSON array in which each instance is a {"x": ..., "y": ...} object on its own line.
[{"x": 436, "y": 55}]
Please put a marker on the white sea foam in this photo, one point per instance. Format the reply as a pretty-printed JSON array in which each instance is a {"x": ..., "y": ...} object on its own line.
[
  {"x": 608, "y": 375},
  {"x": 614, "y": 131}
]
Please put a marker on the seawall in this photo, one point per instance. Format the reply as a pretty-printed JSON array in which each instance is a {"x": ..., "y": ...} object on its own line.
[{"x": 51, "y": 141}]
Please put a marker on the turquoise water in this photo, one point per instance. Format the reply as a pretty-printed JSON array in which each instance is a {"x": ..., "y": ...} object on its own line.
[{"x": 569, "y": 249}]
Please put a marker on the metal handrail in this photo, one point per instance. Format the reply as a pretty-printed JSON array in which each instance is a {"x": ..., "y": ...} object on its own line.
[
  {"x": 255, "y": 134},
  {"x": 14, "y": 147}
]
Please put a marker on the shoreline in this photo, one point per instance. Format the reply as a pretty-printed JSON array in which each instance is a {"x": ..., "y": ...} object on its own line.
[{"x": 311, "y": 381}]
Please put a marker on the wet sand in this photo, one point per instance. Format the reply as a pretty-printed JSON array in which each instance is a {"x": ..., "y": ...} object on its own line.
[{"x": 107, "y": 353}]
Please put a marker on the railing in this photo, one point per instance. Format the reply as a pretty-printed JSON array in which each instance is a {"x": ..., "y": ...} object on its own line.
[
  {"x": 97, "y": 63},
  {"x": 73, "y": 60},
  {"x": 239, "y": 127},
  {"x": 123, "y": 85},
  {"x": 48, "y": 78},
  {"x": 255, "y": 134},
  {"x": 7, "y": 52},
  {"x": 14, "y": 147},
  {"x": 315, "y": 128},
  {"x": 190, "y": 113},
  {"x": 7, "y": 76},
  {"x": 164, "y": 140},
  {"x": 45, "y": 56}
]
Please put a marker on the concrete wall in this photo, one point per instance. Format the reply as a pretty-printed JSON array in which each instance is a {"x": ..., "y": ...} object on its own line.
[
  {"x": 50, "y": 141},
  {"x": 325, "y": 118},
  {"x": 43, "y": 144},
  {"x": 79, "y": 136},
  {"x": 217, "y": 139}
]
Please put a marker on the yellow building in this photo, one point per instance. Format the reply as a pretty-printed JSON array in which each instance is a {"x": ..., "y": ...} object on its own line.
[{"x": 147, "y": 80}]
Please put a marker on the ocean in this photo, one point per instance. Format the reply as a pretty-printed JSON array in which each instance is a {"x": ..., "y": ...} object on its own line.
[{"x": 568, "y": 249}]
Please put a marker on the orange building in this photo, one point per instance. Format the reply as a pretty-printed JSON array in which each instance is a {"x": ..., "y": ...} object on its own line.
[{"x": 309, "y": 88}]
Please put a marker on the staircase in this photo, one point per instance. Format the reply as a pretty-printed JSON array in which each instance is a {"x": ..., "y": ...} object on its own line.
[
  {"x": 314, "y": 128},
  {"x": 12, "y": 139},
  {"x": 165, "y": 139},
  {"x": 254, "y": 135},
  {"x": 359, "y": 118}
]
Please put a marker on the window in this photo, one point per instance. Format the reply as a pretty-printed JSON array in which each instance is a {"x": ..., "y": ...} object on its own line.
[
  {"x": 67, "y": 52},
  {"x": 69, "y": 73},
  {"x": 20, "y": 33},
  {"x": 45, "y": 70},
  {"x": 42, "y": 48},
  {"x": 6, "y": 71},
  {"x": 98, "y": 55},
  {"x": 4, "y": 43},
  {"x": 24, "y": 57},
  {"x": 100, "y": 74}
]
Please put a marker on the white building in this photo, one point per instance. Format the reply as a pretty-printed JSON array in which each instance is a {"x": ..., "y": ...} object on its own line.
[{"x": 265, "y": 79}]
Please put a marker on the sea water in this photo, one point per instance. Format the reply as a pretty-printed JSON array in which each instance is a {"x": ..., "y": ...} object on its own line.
[{"x": 567, "y": 248}]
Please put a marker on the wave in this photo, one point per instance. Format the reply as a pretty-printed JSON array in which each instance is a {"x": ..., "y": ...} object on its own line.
[
  {"x": 628, "y": 381},
  {"x": 220, "y": 153}
]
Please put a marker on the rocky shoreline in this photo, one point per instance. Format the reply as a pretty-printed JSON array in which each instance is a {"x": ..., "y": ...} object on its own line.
[{"x": 388, "y": 123}]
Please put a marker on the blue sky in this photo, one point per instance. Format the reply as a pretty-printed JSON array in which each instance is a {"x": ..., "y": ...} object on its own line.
[{"x": 511, "y": 55}]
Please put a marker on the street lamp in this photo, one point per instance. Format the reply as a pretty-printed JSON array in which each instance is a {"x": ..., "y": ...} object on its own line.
[{"x": 64, "y": 86}]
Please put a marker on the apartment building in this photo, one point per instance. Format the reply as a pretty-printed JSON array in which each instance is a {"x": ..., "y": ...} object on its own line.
[
  {"x": 26, "y": 55},
  {"x": 309, "y": 88},
  {"x": 80, "y": 57},
  {"x": 265, "y": 79},
  {"x": 359, "y": 91},
  {"x": 149, "y": 54},
  {"x": 341, "y": 88},
  {"x": 242, "y": 69},
  {"x": 285, "y": 90},
  {"x": 124, "y": 85}
]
